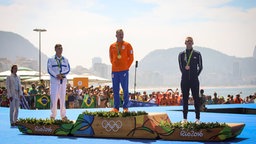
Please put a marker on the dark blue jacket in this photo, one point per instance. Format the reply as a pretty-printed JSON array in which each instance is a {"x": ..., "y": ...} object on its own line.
[{"x": 196, "y": 64}]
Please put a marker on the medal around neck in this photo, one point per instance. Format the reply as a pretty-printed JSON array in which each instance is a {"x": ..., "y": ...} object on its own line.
[{"x": 119, "y": 56}]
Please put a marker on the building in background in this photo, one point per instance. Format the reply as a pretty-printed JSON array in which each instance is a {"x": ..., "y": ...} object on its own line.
[{"x": 100, "y": 69}]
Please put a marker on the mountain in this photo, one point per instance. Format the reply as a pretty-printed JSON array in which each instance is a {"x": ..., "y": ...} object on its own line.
[
  {"x": 160, "y": 68},
  {"x": 17, "y": 50}
]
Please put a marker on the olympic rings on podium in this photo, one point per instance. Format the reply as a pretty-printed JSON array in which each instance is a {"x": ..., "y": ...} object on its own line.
[{"x": 111, "y": 125}]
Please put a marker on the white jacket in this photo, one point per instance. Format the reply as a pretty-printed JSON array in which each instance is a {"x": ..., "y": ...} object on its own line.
[
  {"x": 57, "y": 66},
  {"x": 11, "y": 86}
]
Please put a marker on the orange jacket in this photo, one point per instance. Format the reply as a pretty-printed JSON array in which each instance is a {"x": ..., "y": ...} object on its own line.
[{"x": 126, "y": 52}]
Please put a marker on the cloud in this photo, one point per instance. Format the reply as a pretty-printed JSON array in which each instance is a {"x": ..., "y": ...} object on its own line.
[
  {"x": 87, "y": 28},
  {"x": 224, "y": 28}
]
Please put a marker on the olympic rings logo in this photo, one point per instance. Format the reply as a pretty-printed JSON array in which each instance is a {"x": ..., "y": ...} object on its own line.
[{"x": 111, "y": 125}]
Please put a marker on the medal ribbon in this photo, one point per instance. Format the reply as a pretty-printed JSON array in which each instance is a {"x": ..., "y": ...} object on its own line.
[
  {"x": 59, "y": 62},
  {"x": 189, "y": 58},
  {"x": 59, "y": 65},
  {"x": 118, "y": 49}
]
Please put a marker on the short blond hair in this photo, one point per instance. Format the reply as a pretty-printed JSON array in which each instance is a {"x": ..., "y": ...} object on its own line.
[
  {"x": 119, "y": 30},
  {"x": 189, "y": 38}
]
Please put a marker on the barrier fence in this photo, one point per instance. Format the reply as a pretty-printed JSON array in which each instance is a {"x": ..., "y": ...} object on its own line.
[{"x": 44, "y": 102}]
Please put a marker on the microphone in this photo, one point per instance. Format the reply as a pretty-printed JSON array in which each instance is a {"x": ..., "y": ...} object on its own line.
[{"x": 136, "y": 64}]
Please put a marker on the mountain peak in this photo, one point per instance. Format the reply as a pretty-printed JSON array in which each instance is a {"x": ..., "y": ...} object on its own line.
[{"x": 20, "y": 51}]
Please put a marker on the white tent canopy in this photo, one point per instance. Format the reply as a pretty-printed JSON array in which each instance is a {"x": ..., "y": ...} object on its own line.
[{"x": 23, "y": 72}]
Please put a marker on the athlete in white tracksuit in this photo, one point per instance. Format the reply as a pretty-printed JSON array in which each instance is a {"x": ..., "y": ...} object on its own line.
[{"x": 58, "y": 67}]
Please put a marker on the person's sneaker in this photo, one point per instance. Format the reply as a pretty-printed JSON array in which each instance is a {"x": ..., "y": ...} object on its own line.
[
  {"x": 126, "y": 110},
  {"x": 64, "y": 118},
  {"x": 184, "y": 121},
  {"x": 197, "y": 121},
  {"x": 114, "y": 110}
]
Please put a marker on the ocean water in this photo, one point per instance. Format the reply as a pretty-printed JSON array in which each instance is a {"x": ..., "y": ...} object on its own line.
[
  {"x": 224, "y": 91},
  {"x": 244, "y": 91}
]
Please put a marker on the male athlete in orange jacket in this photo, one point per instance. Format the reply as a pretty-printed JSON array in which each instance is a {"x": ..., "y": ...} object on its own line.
[{"x": 121, "y": 58}]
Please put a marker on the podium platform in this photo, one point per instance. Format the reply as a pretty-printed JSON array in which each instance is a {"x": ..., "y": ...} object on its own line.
[{"x": 14, "y": 136}]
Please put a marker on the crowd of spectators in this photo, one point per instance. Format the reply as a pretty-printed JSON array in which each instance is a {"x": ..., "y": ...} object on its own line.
[{"x": 103, "y": 96}]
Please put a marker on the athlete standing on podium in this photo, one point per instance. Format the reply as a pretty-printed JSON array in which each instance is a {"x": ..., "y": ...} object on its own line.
[
  {"x": 190, "y": 63},
  {"x": 58, "y": 67},
  {"x": 121, "y": 58}
]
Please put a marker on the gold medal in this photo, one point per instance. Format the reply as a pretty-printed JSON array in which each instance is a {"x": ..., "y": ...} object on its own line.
[{"x": 118, "y": 51}]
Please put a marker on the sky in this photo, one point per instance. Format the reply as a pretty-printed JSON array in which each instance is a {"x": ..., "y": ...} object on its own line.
[{"x": 86, "y": 28}]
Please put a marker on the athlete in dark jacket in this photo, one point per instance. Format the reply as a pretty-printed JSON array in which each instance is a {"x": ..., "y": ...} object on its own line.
[{"x": 190, "y": 63}]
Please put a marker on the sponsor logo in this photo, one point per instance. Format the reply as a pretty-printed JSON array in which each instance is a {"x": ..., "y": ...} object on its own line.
[
  {"x": 43, "y": 129},
  {"x": 192, "y": 133}
]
